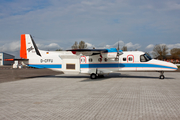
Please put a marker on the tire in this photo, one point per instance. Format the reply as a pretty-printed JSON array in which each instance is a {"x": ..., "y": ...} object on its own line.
[
  {"x": 161, "y": 77},
  {"x": 93, "y": 76}
]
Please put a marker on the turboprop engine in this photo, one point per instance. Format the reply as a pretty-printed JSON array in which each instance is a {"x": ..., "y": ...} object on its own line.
[{"x": 112, "y": 53}]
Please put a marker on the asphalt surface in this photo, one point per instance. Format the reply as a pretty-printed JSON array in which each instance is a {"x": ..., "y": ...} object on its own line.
[
  {"x": 119, "y": 96},
  {"x": 7, "y": 74}
]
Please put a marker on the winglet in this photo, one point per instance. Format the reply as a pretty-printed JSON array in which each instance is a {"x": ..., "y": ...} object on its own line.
[{"x": 23, "y": 52}]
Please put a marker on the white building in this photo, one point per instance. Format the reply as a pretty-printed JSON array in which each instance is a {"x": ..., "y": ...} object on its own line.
[{"x": 4, "y": 56}]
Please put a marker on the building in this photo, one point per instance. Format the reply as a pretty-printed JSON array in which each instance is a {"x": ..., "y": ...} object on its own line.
[{"x": 4, "y": 56}]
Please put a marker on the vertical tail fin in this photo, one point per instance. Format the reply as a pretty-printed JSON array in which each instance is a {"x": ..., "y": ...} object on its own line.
[
  {"x": 28, "y": 47},
  {"x": 23, "y": 52}
]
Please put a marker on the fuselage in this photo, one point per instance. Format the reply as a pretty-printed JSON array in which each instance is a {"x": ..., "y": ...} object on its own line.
[{"x": 73, "y": 64}]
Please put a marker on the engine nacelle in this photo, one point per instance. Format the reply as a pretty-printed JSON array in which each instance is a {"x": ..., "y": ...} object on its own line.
[{"x": 110, "y": 55}]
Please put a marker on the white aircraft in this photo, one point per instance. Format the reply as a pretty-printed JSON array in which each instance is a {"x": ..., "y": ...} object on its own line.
[{"x": 95, "y": 62}]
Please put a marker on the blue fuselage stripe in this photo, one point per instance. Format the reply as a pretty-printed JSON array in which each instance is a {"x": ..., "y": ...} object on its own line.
[
  {"x": 46, "y": 65},
  {"x": 99, "y": 65},
  {"x": 123, "y": 65},
  {"x": 103, "y": 65}
]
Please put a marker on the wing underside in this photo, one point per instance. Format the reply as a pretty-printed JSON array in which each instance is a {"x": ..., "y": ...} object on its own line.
[{"x": 88, "y": 51}]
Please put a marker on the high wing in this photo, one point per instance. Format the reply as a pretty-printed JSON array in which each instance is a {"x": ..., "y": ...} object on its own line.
[
  {"x": 88, "y": 52},
  {"x": 111, "y": 53}
]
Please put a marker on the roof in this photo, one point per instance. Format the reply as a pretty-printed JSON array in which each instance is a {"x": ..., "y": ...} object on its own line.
[{"x": 7, "y": 54}]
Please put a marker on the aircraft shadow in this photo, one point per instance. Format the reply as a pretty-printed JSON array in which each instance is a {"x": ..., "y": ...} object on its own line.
[
  {"x": 119, "y": 75},
  {"x": 87, "y": 78}
]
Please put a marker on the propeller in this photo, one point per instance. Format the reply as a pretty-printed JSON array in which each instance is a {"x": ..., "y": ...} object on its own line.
[
  {"x": 118, "y": 50},
  {"x": 118, "y": 53}
]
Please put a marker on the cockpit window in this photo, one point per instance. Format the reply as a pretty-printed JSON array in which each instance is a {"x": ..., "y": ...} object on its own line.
[
  {"x": 145, "y": 58},
  {"x": 142, "y": 58}
]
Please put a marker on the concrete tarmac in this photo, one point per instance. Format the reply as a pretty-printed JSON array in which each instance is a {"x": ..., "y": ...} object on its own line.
[{"x": 125, "y": 96}]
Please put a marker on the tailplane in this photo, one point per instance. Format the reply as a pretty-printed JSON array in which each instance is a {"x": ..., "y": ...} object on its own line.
[{"x": 28, "y": 47}]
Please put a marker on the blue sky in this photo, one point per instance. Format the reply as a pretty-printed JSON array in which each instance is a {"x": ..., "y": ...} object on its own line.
[{"x": 55, "y": 24}]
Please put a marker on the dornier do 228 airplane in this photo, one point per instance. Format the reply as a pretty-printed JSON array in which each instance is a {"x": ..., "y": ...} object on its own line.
[{"x": 95, "y": 62}]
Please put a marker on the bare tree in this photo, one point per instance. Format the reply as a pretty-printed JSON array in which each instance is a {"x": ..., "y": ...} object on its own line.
[
  {"x": 124, "y": 48},
  {"x": 82, "y": 45},
  {"x": 75, "y": 46},
  {"x": 175, "y": 53},
  {"x": 59, "y": 49},
  {"x": 160, "y": 51}
]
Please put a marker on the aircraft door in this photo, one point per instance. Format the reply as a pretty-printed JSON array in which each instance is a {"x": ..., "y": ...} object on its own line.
[
  {"x": 130, "y": 61},
  {"x": 130, "y": 58},
  {"x": 71, "y": 65},
  {"x": 83, "y": 59}
]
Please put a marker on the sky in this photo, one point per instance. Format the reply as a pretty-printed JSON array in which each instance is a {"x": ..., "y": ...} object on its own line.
[{"x": 55, "y": 24}]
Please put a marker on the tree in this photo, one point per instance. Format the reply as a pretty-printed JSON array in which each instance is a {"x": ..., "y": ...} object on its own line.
[
  {"x": 124, "y": 48},
  {"x": 59, "y": 49},
  {"x": 81, "y": 45},
  {"x": 160, "y": 51},
  {"x": 175, "y": 53},
  {"x": 75, "y": 46}
]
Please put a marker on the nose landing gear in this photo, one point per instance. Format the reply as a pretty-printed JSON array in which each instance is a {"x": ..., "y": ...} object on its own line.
[{"x": 161, "y": 75}]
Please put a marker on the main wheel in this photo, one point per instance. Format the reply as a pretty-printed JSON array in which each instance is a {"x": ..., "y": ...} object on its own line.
[
  {"x": 93, "y": 76},
  {"x": 161, "y": 77}
]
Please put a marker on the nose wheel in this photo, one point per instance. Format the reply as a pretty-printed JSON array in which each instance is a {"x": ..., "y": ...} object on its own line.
[{"x": 161, "y": 75}]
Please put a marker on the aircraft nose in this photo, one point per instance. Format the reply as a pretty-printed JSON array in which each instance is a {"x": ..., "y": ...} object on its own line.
[{"x": 174, "y": 66}]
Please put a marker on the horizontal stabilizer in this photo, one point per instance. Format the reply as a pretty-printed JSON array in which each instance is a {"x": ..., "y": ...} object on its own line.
[{"x": 16, "y": 59}]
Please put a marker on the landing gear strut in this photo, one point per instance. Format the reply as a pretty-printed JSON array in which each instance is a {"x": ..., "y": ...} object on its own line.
[{"x": 161, "y": 75}]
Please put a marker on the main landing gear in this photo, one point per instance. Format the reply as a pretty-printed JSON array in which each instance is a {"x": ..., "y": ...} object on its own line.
[
  {"x": 161, "y": 75},
  {"x": 94, "y": 76}
]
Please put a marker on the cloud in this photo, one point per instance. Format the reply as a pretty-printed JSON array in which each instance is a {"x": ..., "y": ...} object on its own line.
[
  {"x": 14, "y": 48},
  {"x": 10, "y": 47},
  {"x": 51, "y": 46},
  {"x": 97, "y": 21},
  {"x": 170, "y": 46},
  {"x": 131, "y": 46},
  {"x": 115, "y": 45},
  {"x": 90, "y": 46},
  {"x": 150, "y": 46}
]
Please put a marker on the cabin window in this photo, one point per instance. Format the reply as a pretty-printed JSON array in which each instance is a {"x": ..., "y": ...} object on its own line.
[
  {"x": 116, "y": 59},
  {"x": 105, "y": 59},
  {"x": 82, "y": 60},
  {"x": 100, "y": 59},
  {"x": 124, "y": 59},
  {"x": 90, "y": 59},
  {"x": 130, "y": 59}
]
